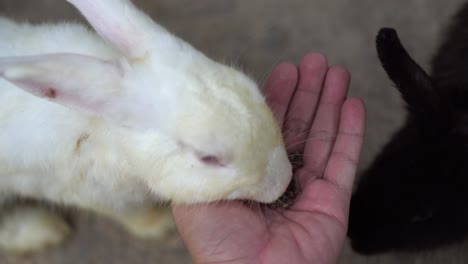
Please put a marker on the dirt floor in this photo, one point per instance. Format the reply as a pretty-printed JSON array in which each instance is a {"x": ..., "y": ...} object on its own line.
[{"x": 257, "y": 34}]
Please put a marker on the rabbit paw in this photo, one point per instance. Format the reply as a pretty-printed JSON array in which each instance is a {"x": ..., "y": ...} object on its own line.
[
  {"x": 29, "y": 229},
  {"x": 150, "y": 223}
]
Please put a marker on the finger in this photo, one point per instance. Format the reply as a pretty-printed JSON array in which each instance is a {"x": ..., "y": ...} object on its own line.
[
  {"x": 312, "y": 72},
  {"x": 280, "y": 87},
  {"x": 343, "y": 161},
  {"x": 319, "y": 141}
]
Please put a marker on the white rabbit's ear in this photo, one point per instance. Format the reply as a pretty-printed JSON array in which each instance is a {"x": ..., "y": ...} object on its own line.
[
  {"x": 76, "y": 81},
  {"x": 121, "y": 24}
]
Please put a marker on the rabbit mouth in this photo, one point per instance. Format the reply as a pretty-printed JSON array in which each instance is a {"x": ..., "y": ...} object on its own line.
[{"x": 288, "y": 198}]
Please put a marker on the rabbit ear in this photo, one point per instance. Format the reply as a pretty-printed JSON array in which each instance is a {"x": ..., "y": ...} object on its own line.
[
  {"x": 76, "y": 81},
  {"x": 410, "y": 79},
  {"x": 121, "y": 24}
]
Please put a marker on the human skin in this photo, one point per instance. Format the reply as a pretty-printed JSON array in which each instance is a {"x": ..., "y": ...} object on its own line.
[{"x": 326, "y": 129}]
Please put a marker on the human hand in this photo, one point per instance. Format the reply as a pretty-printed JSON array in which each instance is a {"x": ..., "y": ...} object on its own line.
[{"x": 326, "y": 129}]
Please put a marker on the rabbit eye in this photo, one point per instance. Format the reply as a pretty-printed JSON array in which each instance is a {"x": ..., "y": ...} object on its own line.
[{"x": 211, "y": 160}]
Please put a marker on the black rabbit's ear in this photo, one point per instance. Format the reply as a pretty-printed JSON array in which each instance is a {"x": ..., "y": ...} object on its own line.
[{"x": 411, "y": 80}]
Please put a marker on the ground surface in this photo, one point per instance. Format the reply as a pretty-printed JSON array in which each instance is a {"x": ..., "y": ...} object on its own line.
[{"x": 258, "y": 34}]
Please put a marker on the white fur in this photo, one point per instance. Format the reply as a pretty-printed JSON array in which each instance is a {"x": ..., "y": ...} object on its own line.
[
  {"x": 31, "y": 228},
  {"x": 127, "y": 121}
]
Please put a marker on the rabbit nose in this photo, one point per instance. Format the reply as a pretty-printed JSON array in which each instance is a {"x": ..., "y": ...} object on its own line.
[
  {"x": 278, "y": 175},
  {"x": 274, "y": 183}
]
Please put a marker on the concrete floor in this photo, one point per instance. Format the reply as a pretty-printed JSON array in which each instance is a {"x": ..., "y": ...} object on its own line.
[{"x": 258, "y": 34}]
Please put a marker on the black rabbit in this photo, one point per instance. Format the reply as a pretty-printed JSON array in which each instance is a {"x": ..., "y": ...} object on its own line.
[{"x": 415, "y": 194}]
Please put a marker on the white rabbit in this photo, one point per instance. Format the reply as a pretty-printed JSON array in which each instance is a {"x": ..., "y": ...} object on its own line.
[{"x": 117, "y": 126}]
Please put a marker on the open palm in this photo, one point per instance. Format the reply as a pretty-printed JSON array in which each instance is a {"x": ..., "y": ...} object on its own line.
[{"x": 326, "y": 130}]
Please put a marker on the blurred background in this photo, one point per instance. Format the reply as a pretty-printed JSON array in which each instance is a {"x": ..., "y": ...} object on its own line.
[{"x": 258, "y": 34}]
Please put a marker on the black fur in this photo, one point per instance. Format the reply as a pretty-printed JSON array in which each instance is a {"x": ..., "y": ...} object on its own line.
[{"x": 414, "y": 196}]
